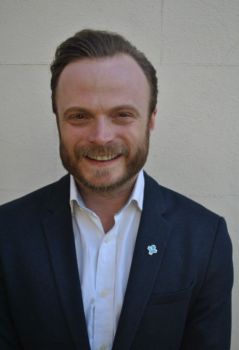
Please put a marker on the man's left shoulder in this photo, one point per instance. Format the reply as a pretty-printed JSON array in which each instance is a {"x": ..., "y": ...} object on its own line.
[
  {"x": 176, "y": 205},
  {"x": 186, "y": 220}
]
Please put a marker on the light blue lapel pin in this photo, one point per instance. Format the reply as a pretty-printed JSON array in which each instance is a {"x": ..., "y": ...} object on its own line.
[{"x": 152, "y": 249}]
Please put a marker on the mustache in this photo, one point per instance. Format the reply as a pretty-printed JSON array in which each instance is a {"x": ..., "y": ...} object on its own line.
[{"x": 101, "y": 150}]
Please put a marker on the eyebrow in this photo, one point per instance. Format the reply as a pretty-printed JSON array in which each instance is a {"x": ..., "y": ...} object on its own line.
[
  {"x": 75, "y": 109},
  {"x": 131, "y": 107}
]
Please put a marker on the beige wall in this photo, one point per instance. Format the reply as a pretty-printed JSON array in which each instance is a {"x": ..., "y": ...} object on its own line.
[{"x": 195, "y": 48}]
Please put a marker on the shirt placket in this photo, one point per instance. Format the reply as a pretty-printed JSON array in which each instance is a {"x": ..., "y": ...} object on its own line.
[{"x": 104, "y": 302}]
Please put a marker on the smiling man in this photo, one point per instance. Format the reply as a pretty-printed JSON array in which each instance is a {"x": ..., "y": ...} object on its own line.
[
  {"x": 106, "y": 258},
  {"x": 104, "y": 123}
]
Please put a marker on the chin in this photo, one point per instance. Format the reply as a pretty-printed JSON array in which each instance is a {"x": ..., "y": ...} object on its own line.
[{"x": 107, "y": 185}]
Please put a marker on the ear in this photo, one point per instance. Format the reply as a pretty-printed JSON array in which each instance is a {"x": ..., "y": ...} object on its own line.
[{"x": 152, "y": 120}]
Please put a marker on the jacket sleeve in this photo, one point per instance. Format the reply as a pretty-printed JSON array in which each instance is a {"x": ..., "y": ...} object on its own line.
[
  {"x": 209, "y": 321},
  {"x": 8, "y": 338}
]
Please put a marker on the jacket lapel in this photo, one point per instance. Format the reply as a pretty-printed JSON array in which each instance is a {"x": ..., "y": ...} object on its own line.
[
  {"x": 60, "y": 240},
  {"x": 153, "y": 230}
]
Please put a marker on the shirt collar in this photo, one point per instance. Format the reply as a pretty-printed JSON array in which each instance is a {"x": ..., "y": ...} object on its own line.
[{"x": 137, "y": 195}]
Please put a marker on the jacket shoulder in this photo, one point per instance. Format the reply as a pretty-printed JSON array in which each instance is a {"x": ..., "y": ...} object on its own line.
[
  {"x": 36, "y": 198},
  {"x": 174, "y": 203}
]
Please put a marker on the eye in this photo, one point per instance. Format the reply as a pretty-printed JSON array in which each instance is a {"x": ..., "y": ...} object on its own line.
[
  {"x": 124, "y": 114},
  {"x": 124, "y": 117},
  {"x": 77, "y": 118}
]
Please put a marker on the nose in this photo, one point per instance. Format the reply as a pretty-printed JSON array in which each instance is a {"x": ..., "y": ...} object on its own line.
[{"x": 101, "y": 131}]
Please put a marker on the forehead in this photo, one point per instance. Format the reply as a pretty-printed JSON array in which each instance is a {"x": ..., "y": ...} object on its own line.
[{"x": 116, "y": 77}]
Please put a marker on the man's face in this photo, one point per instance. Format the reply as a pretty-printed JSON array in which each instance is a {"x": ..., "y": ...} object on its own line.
[{"x": 103, "y": 121}]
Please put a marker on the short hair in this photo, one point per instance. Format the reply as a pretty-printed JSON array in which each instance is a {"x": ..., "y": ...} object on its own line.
[{"x": 89, "y": 43}]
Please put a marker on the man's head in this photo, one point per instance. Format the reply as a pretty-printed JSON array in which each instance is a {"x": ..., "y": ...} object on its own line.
[
  {"x": 104, "y": 100},
  {"x": 100, "y": 44}
]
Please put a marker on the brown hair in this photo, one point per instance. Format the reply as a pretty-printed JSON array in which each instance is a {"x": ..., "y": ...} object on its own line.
[{"x": 90, "y": 43}]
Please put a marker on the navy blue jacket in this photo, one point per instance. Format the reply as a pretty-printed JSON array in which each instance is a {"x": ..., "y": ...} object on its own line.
[{"x": 177, "y": 299}]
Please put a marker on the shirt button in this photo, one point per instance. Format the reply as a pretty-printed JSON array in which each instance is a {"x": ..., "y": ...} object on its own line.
[
  {"x": 107, "y": 239},
  {"x": 103, "y": 347},
  {"x": 104, "y": 293}
]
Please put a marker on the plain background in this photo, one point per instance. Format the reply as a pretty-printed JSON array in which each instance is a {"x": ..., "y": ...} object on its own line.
[{"x": 194, "y": 46}]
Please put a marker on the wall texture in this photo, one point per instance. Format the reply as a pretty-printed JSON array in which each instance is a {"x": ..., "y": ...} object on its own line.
[{"x": 194, "y": 45}]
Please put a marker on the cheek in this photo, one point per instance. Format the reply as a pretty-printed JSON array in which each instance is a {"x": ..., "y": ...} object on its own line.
[
  {"x": 71, "y": 136},
  {"x": 137, "y": 137}
]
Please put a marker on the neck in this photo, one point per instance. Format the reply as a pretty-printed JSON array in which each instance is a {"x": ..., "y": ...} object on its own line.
[{"x": 107, "y": 204}]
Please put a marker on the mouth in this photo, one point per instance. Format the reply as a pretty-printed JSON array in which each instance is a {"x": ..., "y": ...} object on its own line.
[{"x": 103, "y": 158}]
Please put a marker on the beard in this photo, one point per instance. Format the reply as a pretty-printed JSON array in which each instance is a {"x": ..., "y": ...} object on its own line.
[{"x": 134, "y": 163}]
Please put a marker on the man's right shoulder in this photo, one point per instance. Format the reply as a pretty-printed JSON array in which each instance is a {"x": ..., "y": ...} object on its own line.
[{"x": 35, "y": 199}]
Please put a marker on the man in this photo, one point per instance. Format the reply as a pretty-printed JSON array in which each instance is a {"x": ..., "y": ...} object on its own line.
[{"x": 106, "y": 258}]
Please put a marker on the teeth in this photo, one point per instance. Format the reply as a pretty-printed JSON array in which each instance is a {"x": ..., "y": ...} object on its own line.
[{"x": 103, "y": 158}]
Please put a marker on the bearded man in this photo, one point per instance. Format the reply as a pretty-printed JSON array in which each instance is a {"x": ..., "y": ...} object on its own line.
[{"x": 106, "y": 258}]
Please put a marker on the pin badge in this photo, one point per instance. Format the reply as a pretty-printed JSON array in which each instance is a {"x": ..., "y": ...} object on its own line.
[{"x": 152, "y": 249}]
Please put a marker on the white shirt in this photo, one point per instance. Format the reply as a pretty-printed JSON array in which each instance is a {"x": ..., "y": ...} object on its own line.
[{"x": 104, "y": 262}]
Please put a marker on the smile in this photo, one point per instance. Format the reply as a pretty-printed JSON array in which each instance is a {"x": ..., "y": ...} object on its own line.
[{"x": 103, "y": 158}]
